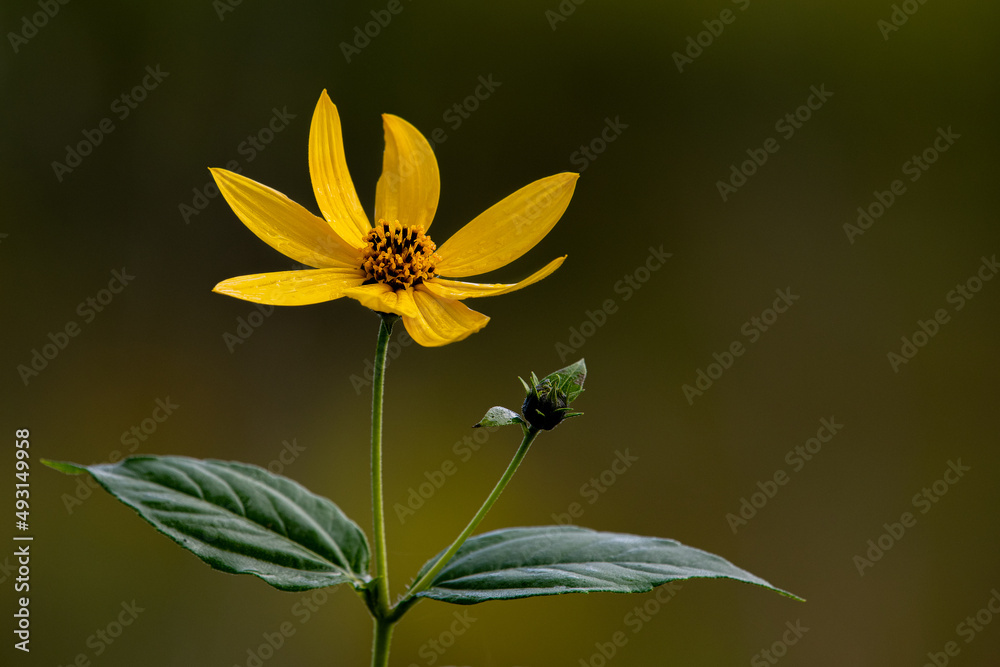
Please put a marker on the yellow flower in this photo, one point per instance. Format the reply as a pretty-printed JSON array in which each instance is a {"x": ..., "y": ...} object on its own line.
[{"x": 393, "y": 267}]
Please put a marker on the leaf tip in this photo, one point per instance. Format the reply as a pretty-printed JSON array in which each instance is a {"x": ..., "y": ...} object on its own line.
[{"x": 65, "y": 467}]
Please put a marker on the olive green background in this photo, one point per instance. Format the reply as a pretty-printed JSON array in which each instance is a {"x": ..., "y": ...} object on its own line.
[{"x": 164, "y": 336}]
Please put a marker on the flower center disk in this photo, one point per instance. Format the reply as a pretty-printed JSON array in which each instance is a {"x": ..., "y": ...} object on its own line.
[{"x": 398, "y": 256}]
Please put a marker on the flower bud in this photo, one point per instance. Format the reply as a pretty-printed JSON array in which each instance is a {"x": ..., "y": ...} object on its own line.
[{"x": 547, "y": 401}]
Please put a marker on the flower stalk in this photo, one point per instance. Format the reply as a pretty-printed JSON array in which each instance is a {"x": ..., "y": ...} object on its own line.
[
  {"x": 380, "y": 645},
  {"x": 378, "y": 504},
  {"x": 425, "y": 581}
]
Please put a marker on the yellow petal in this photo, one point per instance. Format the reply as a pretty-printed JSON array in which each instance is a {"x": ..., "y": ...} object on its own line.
[
  {"x": 284, "y": 225},
  {"x": 383, "y": 299},
  {"x": 331, "y": 181},
  {"x": 291, "y": 288},
  {"x": 441, "y": 321},
  {"x": 454, "y": 289},
  {"x": 507, "y": 229},
  {"x": 409, "y": 186}
]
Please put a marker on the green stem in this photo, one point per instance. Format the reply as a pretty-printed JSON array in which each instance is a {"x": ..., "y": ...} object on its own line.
[
  {"x": 425, "y": 581},
  {"x": 378, "y": 506},
  {"x": 380, "y": 645}
]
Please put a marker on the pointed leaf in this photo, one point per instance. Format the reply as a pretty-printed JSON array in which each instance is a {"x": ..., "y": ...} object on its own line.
[
  {"x": 552, "y": 560},
  {"x": 65, "y": 467},
  {"x": 239, "y": 518},
  {"x": 500, "y": 416}
]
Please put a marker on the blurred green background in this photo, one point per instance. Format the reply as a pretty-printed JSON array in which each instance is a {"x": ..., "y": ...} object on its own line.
[{"x": 562, "y": 73}]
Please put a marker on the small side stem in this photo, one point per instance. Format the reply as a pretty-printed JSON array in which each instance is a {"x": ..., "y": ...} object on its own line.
[
  {"x": 425, "y": 581},
  {"x": 378, "y": 505},
  {"x": 380, "y": 645}
]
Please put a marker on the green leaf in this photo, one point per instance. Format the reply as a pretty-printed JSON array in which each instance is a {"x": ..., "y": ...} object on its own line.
[
  {"x": 500, "y": 416},
  {"x": 239, "y": 518},
  {"x": 552, "y": 560}
]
